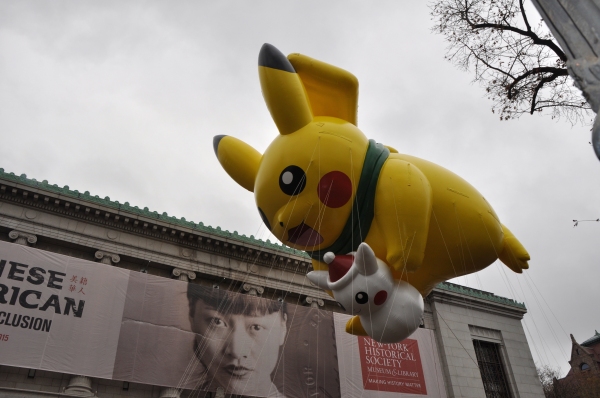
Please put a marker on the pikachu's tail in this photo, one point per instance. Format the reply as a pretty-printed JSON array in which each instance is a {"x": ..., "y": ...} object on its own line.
[{"x": 513, "y": 253}]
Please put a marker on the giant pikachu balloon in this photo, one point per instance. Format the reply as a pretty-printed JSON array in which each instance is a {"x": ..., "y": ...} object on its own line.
[{"x": 322, "y": 186}]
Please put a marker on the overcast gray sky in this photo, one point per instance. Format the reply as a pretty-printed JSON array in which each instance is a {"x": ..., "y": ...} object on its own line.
[{"x": 122, "y": 99}]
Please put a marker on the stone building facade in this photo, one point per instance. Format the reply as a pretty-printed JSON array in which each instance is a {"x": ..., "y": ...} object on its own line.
[{"x": 480, "y": 337}]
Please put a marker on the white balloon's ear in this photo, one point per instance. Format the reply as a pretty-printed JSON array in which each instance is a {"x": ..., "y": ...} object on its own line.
[
  {"x": 319, "y": 278},
  {"x": 365, "y": 260}
]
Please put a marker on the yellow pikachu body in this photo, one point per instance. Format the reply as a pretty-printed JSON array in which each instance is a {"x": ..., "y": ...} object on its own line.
[{"x": 322, "y": 186}]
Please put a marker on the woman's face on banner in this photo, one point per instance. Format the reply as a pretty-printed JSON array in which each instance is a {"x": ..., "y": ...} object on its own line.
[{"x": 239, "y": 351}]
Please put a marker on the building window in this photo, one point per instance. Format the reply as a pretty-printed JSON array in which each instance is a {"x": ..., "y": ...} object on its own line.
[
  {"x": 584, "y": 366},
  {"x": 495, "y": 382}
]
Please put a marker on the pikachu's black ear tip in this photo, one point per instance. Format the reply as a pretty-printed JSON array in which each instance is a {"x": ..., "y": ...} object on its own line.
[
  {"x": 216, "y": 140},
  {"x": 271, "y": 57}
]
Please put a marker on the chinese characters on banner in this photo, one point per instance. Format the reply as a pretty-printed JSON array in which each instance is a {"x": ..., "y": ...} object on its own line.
[{"x": 74, "y": 281}]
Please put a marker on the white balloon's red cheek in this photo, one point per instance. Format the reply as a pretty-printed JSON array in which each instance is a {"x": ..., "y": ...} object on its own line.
[{"x": 380, "y": 297}]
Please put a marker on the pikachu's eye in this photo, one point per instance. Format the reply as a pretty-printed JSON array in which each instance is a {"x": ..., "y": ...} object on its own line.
[{"x": 292, "y": 180}]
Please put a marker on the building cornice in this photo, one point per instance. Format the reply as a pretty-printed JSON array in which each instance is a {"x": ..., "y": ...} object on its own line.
[
  {"x": 462, "y": 297},
  {"x": 53, "y": 199}
]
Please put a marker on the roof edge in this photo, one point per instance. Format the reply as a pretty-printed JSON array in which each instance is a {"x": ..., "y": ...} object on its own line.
[{"x": 145, "y": 212}]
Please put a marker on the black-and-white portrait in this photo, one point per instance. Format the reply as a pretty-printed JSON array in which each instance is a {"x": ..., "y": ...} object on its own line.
[{"x": 195, "y": 337}]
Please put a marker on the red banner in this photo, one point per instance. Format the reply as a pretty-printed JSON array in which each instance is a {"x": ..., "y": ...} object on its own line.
[{"x": 392, "y": 367}]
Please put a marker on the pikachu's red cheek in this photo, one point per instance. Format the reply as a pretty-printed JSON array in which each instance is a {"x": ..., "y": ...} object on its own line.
[{"x": 335, "y": 189}]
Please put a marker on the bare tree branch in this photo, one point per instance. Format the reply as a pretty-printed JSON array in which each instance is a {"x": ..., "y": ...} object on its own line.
[
  {"x": 530, "y": 34},
  {"x": 543, "y": 81},
  {"x": 521, "y": 67},
  {"x": 556, "y": 72},
  {"x": 524, "y": 15}
]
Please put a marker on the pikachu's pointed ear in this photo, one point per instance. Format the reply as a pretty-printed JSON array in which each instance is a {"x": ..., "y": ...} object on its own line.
[
  {"x": 332, "y": 91},
  {"x": 239, "y": 160},
  {"x": 283, "y": 91}
]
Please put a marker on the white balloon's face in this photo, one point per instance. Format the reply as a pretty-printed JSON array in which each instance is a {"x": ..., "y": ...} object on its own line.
[{"x": 365, "y": 294}]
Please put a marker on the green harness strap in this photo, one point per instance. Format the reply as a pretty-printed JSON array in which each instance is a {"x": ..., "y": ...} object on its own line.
[{"x": 363, "y": 210}]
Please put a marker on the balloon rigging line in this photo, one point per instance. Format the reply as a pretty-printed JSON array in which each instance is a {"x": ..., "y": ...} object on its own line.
[
  {"x": 193, "y": 363},
  {"x": 535, "y": 296},
  {"x": 405, "y": 255},
  {"x": 552, "y": 331},
  {"x": 543, "y": 353},
  {"x": 545, "y": 348},
  {"x": 504, "y": 278},
  {"x": 355, "y": 201},
  {"x": 545, "y": 302},
  {"x": 460, "y": 238},
  {"x": 279, "y": 250},
  {"x": 208, "y": 384},
  {"x": 466, "y": 300},
  {"x": 457, "y": 339},
  {"x": 232, "y": 282},
  {"x": 272, "y": 264}
]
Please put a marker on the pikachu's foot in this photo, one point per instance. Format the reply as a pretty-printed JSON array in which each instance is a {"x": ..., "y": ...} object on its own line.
[
  {"x": 513, "y": 254},
  {"x": 355, "y": 327}
]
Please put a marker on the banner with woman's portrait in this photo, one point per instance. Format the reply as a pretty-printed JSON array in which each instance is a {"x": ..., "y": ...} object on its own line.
[
  {"x": 69, "y": 315},
  {"x": 197, "y": 337}
]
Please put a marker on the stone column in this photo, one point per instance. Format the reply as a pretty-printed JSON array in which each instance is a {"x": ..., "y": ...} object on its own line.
[
  {"x": 183, "y": 274},
  {"x": 22, "y": 238},
  {"x": 253, "y": 290},
  {"x": 80, "y": 386},
  {"x": 169, "y": 392},
  {"x": 107, "y": 258},
  {"x": 313, "y": 302}
]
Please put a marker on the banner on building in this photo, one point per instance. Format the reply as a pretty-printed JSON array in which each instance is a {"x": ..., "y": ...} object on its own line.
[
  {"x": 59, "y": 313},
  {"x": 371, "y": 369},
  {"x": 69, "y": 315},
  {"x": 196, "y": 337}
]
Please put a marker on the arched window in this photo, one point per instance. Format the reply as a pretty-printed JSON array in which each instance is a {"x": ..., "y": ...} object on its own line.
[{"x": 584, "y": 366}]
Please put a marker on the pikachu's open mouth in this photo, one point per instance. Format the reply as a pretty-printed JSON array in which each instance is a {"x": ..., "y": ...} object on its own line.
[{"x": 303, "y": 235}]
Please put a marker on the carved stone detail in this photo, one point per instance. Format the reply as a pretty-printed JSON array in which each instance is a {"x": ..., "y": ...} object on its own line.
[
  {"x": 22, "y": 238},
  {"x": 485, "y": 333},
  {"x": 107, "y": 258},
  {"x": 187, "y": 253},
  {"x": 183, "y": 274},
  {"x": 314, "y": 302},
  {"x": 253, "y": 290},
  {"x": 80, "y": 386}
]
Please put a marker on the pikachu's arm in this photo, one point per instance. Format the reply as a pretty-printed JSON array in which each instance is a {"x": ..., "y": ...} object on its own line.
[{"x": 403, "y": 203}]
